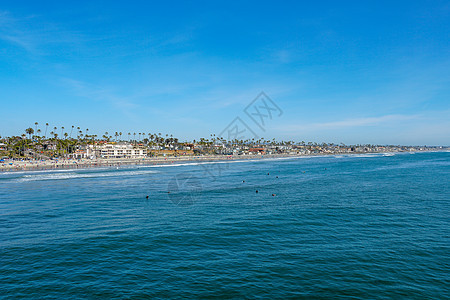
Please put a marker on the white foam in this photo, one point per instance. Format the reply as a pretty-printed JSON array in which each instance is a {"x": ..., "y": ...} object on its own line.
[
  {"x": 54, "y": 170},
  {"x": 198, "y": 163},
  {"x": 388, "y": 154},
  {"x": 73, "y": 175},
  {"x": 416, "y": 164}
]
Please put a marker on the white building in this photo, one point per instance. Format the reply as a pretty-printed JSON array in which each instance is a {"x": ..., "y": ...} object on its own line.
[
  {"x": 78, "y": 154},
  {"x": 116, "y": 151}
]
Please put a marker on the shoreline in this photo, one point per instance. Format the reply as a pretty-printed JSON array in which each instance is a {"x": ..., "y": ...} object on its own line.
[{"x": 72, "y": 164}]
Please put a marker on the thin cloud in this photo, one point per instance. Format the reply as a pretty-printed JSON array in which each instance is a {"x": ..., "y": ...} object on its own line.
[
  {"x": 97, "y": 93},
  {"x": 33, "y": 35},
  {"x": 363, "y": 121},
  {"x": 349, "y": 123},
  {"x": 12, "y": 34}
]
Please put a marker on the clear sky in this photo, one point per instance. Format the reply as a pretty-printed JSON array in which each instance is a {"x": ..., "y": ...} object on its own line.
[{"x": 341, "y": 71}]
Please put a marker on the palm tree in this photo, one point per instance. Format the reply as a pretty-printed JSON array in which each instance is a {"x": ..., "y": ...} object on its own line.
[
  {"x": 71, "y": 131},
  {"x": 35, "y": 126},
  {"x": 62, "y": 129},
  {"x": 29, "y": 131},
  {"x": 152, "y": 138},
  {"x": 46, "y": 126},
  {"x": 66, "y": 143}
]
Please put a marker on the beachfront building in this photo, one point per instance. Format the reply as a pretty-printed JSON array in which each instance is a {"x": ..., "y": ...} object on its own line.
[
  {"x": 78, "y": 154},
  {"x": 259, "y": 150},
  {"x": 116, "y": 151}
]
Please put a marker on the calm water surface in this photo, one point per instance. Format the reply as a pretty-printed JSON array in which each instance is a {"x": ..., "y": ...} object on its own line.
[{"x": 368, "y": 226}]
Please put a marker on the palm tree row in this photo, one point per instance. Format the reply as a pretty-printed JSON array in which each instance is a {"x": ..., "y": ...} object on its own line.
[{"x": 60, "y": 142}]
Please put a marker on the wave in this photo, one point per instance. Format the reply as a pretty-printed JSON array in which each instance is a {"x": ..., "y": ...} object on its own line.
[
  {"x": 250, "y": 160},
  {"x": 367, "y": 155},
  {"x": 73, "y": 175},
  {"x": 46, "y": 171},
  {"x": 203, "y": 163},
  {"x": 411, "y": 165},
  {"x": 388, "y": 154}
]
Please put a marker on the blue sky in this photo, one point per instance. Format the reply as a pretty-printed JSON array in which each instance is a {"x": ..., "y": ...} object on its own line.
[{"x": 351, "y": 71}]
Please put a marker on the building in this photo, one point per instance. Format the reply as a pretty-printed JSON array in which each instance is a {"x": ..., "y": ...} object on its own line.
[
  {"x": 257, "y": 150},
  {"x": 116, "y": 151},
  {"x": 78, "y": 154}
]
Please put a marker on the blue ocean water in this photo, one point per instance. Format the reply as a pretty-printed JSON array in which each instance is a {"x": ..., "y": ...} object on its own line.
[{"x": 360, "y": 226}]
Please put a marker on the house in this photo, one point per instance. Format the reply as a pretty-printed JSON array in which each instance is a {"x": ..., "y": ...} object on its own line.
[
  {"x": 116, "y": 151},
  {"x": 78, "y": 154},
  {"x": 257, "y": 150}
]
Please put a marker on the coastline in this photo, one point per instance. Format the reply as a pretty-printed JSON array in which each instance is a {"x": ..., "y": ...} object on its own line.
[{"x": 73, "y": 164}]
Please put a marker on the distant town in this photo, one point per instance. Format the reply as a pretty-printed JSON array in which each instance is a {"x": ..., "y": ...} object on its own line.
[{"x": 74, "y": 143}]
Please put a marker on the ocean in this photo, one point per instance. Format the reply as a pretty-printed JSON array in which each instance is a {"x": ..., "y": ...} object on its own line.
[{"x": 371, "y": 226}]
